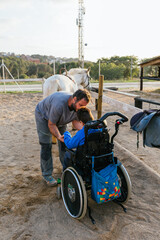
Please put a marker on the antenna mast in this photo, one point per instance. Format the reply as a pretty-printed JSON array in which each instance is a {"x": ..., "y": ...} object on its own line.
[{"x": 81, "y": 12}]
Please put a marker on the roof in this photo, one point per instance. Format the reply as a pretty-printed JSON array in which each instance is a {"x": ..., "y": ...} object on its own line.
[{"x": 151, "y": 62}]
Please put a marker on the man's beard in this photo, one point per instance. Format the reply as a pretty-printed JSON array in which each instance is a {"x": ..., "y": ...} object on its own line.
[{"x": 72, "y": 107}]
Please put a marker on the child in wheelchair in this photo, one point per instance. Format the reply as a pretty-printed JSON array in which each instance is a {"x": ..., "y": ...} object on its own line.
[{"x": 84, "y": 115}]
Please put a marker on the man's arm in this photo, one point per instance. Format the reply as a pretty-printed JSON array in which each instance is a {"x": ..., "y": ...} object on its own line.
[{"x": 54, "y": 130}]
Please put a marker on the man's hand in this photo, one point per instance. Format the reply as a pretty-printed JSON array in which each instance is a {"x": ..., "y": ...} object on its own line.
[
  {"x": 54, "y": 130},
  {"x": 61, "y": 138}
]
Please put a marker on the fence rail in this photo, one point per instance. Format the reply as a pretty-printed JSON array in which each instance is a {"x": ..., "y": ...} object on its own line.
[
  {"x": 16, "y": 81},
  {"x": 22, "y": 80},
  {"x": 139, "y": 102},
  {"x": 117, "y": 104}
]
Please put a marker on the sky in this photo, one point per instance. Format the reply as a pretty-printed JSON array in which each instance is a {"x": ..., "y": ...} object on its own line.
[{"x": 111, "y": 28}]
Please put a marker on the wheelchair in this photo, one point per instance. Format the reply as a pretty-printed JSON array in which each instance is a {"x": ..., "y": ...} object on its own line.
[{"x": 76, "y": 179}]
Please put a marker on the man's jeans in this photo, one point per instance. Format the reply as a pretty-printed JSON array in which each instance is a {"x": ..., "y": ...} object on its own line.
[{"x": 45, "y": 140}]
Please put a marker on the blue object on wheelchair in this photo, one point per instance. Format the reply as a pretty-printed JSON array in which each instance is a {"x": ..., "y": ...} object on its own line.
[{"x": 105, "y": 184}]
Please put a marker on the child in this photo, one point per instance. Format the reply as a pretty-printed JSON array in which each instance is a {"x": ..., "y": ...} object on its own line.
[{"x": 84, "y": 115}]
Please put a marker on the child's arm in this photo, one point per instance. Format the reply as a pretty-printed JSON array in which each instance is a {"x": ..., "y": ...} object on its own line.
[{"x": 73, "y": 142}]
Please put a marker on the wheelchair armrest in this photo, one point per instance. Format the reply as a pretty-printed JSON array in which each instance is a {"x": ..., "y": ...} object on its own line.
[
  {"x": 72, "y": 154},
  {"x": 71, "y": 151}
]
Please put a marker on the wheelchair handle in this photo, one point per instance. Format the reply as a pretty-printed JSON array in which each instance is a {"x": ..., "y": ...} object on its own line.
[
  {"x": 124, "y": 118},
  {"x": 92, "y": 124},
  {"x": 95, "y": 123}
]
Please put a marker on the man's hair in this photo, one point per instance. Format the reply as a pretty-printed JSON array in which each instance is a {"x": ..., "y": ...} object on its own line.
[
  {"x": 84, "y": 114},
  {"x": 82, "y": 93}
]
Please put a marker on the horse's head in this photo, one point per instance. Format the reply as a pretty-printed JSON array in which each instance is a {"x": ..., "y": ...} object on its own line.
[
  {"x": 81, "y": 76},
  {"x": 86, "y": 83},
  {"x": 88, "y": 78}
]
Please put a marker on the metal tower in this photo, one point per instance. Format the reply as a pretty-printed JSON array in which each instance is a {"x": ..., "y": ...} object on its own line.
[{"x": 81, "y": 12}]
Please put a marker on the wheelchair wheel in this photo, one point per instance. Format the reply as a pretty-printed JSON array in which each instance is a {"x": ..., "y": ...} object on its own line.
[
  {"x": 125, "y": 184},
  {"x": 74, "y": 193}
]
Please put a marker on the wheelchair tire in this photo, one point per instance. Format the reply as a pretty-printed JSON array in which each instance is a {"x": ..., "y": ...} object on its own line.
[
  {"x": 125, "y": 184},
  {"x": 74, "y": 193}
]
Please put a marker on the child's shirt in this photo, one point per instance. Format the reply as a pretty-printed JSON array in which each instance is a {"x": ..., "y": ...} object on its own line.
[{"x": 78, "y": 139}]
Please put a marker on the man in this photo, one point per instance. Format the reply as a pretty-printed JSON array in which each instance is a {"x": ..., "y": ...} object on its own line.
[{"x": 52, "y": 115}]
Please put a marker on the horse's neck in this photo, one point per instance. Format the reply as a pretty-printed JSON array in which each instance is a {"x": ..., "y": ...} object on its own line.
[{"x": 78, "y": 78}]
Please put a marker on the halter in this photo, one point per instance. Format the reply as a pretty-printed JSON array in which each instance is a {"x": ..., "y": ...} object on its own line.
[
  {"x": 60, "y": 72},
  {"x": 87, "y": 78},
  {"x": 71, "y": 79}
]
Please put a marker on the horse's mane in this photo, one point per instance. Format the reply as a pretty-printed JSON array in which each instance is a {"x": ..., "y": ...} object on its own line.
[{"x": 73, "y": 71}]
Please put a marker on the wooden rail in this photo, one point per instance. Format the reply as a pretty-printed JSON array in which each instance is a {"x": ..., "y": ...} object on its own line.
[
  {"x": 138, "y": 101},
  {"x": 117, "y": 104},
  {"x": 4, "y": 81},
  {"x": 23, "y": 80},
  {"x": 121, "y": 93}
]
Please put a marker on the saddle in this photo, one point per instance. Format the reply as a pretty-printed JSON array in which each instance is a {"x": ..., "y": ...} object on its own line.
[{"x": 148, "y": 123}]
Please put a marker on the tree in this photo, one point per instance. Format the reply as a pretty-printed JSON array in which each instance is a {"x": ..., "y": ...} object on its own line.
[
  {"x": 112, "y": 68},
  {"x": 32, "y": 69},
  {"x": 44, "y": 70}
]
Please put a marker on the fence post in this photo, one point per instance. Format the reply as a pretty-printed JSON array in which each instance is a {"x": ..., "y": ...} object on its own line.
[
  {"x": 100, "y": 95},
  {"x": 138, "y": 103},
  {"x": 42, "y": 84},
  {"x": 141, "y": 79},
  {"x": 96, "y": 104}
]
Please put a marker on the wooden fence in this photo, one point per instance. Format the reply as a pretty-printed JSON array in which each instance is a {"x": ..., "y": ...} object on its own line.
[
  {"x": 21, "y": 80},
  {"x": 121, "y": 106}
]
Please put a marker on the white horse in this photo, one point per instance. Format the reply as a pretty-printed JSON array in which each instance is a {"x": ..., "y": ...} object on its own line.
[{"x": 74, "y": 79}]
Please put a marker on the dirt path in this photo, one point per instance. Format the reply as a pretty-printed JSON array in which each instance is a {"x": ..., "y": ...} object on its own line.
[{"x": 30, "y": 210}]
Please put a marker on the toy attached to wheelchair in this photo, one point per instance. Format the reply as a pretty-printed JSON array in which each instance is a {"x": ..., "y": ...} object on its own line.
[{"x": 94, "y": 167}]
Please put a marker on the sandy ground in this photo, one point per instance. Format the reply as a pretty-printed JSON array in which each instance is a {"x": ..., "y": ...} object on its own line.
[{"x": 30, "y": 210}]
